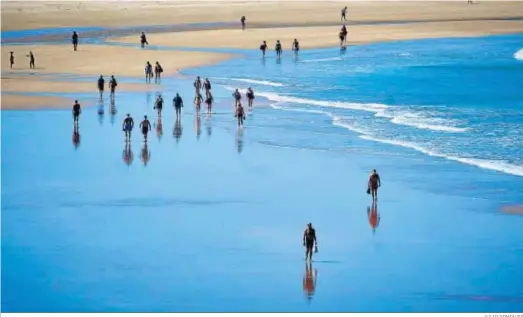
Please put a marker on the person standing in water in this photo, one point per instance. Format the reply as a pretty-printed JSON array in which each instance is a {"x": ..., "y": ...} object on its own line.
[
  {"x": 198, "y": 102},
  {"x": 343, "y": 14},
  {"x": 127, "y": 126},
  {"x": 374, "y": 184},
  {"x": 263, "y": 48},
  {"x": 143, "y": 40},
  {"x": 207, "y": 87},
  {"x": 243, "y": 22},
  {"x": 237, "y": 97},
  {"x": 296, "y": 47},
  {"x": 197, "y": 85},
  {"x": 309, "y": 241},
  {"x": 178, "y": 104},
  {"x": 101, "y": 84},
  {"x": 31, "y": 60},
  {"x": 158, "y": 105},
  {"x": 145, "y": 125},
  {"x": 74, "y": 39},
  {"x": 12, "y": 59},
  {"x": 76, "y": 112},
  {"x": 158, "y": 70},
  {"x": 250, "y": 97},
  {"x": 278, "y": 49},
  {"x": 209, "y": 100},
  {"x": 148, "y": 72},
  {"x": 240, "y": 114},
  {"x": 112, "y": 86}
]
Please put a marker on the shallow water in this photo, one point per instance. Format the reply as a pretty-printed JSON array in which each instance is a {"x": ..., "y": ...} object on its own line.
[{"x": 213, "y": 221}]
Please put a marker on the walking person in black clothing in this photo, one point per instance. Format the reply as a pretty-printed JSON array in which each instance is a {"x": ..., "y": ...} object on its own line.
[
  {"x": 145, "y": 125},
  {"x": 158, "y": 105},
  {"x": 240, "y": 114},
  {"x": 76, "y": 112},
  {"x": 243, "y": 22},
  {"x": 31, "y": 60},
  {"x": 207, "y": 87},
  {"x": 75, "y": 40},
  {"x": 278, "y": 49},
  {"x": 250, "y": 97},
  {"x": 101, "y": 83},
  {"x": 12, "y": 59},
  {"x": 343, "y": 14},
  {"x": 158, "y": 70},
  {"x": 263, "y": 48},
  {"x": 143, "y": 40},
  {"x": 112, "y": 86},
  {"x": 309, "y": 241},
  {"x": 296, "y": 48},
  {"x": 178, "y": 104}
]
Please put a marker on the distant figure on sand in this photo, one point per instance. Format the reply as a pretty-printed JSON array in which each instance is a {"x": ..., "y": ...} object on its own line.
[
  {"x": 374, "y": 184},
  {"x": 207, "y": 87},
  {"x": 158, "y": 70},
  {"x": 250, "y": 97},
  {"x": 374, "y": 216},
  {"x": 309, "y": 281},
  {"x": 309, "y": 241},
  {"x": 198, "y": 102},
  {"x": 243, "y": 22},
  {"x": 197, "y": 85},
  {"x": 178, "y": 104},
  {"x": 127, "y": 126},
  {"x": 240, "y": 114},
  {"x": 158, "y": 105},
  {"x": 296, "y": 47},
  {"x": 31, "y": 60},
  {"x": 145, "y": 125},
  {"x": 75, "y": 40},
  {"x": 112, "y": 86},
  {"x": 101, "y": 84},
  {"x": 12, "y": 59},
  {"x": 76, "y": 112},
  {"x": 209, "y": 100},
  {"x": 343, "y": 35},
  {"x": 237, "y": 97},
  {"x": 143, "y": 40},
  {"x": 343, "y": 14},
  {"x": 148, "y": 72},
  {"x": 263, "y": 48},
  {"x": 278, "y": 49}
]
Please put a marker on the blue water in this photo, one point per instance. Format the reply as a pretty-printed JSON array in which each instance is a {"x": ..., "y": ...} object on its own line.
[{"x": 213, "y": 221}]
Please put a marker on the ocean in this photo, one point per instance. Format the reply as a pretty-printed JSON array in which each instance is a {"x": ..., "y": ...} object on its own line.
[{"x": 213, "y": 221}]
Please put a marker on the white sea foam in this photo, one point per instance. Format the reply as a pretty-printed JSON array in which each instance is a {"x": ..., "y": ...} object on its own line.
[
  {"x": 253, "y": 81},
  {"x": 421, "y": 122},
  {"x": 519, "y": 55},
  {"x": 499, "y": 166},
  {"x": 318, "y": 60}
]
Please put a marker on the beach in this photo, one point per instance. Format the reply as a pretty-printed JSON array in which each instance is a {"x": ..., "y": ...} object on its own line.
[{"x": 209, "y": 216}]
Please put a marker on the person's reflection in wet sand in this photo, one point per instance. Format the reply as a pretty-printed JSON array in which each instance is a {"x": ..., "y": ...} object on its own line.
[
  {"x": 374, "y": 216},
  {"x": 263, "y": 61},
  {"x": 146, "y": 154},
  {"x": 208, "y": 124},
  {"x": 113, "y": 111},
  {"x": 309, "y": 280},
  {"x": 239, "y": 140},
  {"x": 101, "y": 112},
  {"x": 197, "y": 126},
  {"x": 127, "y": 154},
  {"x": 178, "y": 129},
  {"x": 278, "y": 61},
  {"x": 76, "y": 136},
  {"x": 148, "y": 96},
  {"x": 159, "y": 128}
]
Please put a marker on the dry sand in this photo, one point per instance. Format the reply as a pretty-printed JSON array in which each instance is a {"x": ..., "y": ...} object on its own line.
[
  {"x": 17, "y": 102},
  {"x": 327, "y": 36},
  {"x": 38, "y": 14}
]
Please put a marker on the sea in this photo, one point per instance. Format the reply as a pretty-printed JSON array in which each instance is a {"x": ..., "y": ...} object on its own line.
[{"x": 213, "y": 219}]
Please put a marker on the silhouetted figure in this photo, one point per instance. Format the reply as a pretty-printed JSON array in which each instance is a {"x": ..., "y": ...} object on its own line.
[
  {"x": 178, "y": 129},
  {"x": 112, "y": 86},
  {"x": 309, "y": 280},
  {"x": 242, "y": 20},
  {"x": 158, "y": 70},
  {"x": 207, "y": 87},
  {"x": 145, "y": 125},
  {"x": 127, "y": 126},
  {"x": 146, "y": 154},
  {"x": 296, "y": 48},
  {"x": 158, "y": 105},
  {"x": 373, "y": 184},
  {"x": 250, "y": 97},
  {"x": 143, "y": 40},
  {"x": 343, "y": 36},
  {"x": 197, "y": 85},
  {"x": 278, "y": 49},
  {"x": 75, "y": 40},
  {"x": 343, "y": 14},
  {"x": 373, "y": 216},
  {"x": 208, "y": 101},
  {"x": 309, "y": 241},
  {"x": 12, "y": 59},
  {"x": 240, "y": 114},
  {"x": 178, "y": 104},
  {"x": 237, "y": 97},
  {"x": 263, "y": 48},
  {"x": 77, "y": 110},
  {"x": 31, "y": 60},
  {"x": 76, "y": 136},
  {"x": 127, "y": 154},
  {"x": 239, "y": 140},
  {"x": 101, "y": 84},
  {"x": 198, "y": 102},
  {"x": 197, "y": 126},
  {"x": 148, "y": 72}
]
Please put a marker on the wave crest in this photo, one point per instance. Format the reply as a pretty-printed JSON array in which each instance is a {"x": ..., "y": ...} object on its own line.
[{"x": 519, "y": 55}]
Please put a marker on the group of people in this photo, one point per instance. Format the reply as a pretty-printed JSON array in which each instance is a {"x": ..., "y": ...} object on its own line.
[
  {"x": 239, "y": 111},
  {"x": 198, "y": 98},
  {"x": 149, "y": 71},
  {"x": 111, "y": 84},
  {"x": 278, "y": 48},
  {"x": 31, "y": 57}
]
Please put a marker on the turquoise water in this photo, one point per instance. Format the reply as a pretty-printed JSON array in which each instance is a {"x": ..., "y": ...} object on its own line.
[{"x": 213, "y": 221}]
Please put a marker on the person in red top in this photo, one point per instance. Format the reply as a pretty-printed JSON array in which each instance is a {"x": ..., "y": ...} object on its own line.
[
  {"x": 374, "y": 216},
  {"x": 309, "y": 281}
]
